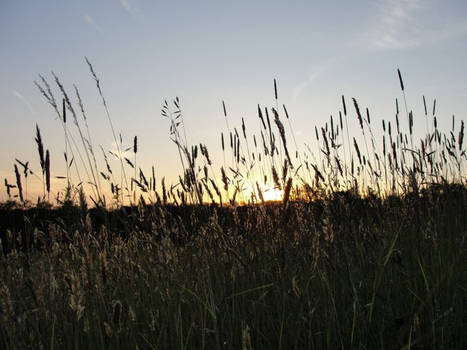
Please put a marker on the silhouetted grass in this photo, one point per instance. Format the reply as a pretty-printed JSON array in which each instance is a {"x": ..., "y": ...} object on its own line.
[{"x": 366, "y": 249}]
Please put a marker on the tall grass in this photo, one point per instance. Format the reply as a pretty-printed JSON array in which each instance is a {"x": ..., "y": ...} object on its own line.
[{"x": 365, "y": 249}]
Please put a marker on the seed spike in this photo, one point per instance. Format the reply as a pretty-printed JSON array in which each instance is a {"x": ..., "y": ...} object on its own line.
[
  {"x": 343, "y": 105},
  {"x": 424, "y": 104},
  {"x": 18, "y": 184},
  {"x": 64, "y": 110},
  {"x": 275, "y": 89},
  {"x": 400, "y": 79}
]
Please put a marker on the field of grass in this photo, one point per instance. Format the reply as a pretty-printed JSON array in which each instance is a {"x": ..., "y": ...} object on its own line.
[{"x": 364, "y": 248}]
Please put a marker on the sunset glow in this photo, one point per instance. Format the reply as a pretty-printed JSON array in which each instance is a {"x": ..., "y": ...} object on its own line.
[{"x": 142, "y": 58}]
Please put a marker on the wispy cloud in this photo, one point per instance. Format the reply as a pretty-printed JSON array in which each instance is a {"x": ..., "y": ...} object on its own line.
[
  {"x": 89, "y": 20},
  {"x": 402, "y": 24},
  {"x": 24, "y": 100},
  {"x": 128, "y": 6},
  {"x": 394, "y": 26},
  {"x": 317, "y": 72}
]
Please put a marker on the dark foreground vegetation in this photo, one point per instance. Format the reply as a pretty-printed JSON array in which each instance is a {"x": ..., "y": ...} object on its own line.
[
  {"x": 366, "y": 249},
  {"x": 337, "y": 273}
]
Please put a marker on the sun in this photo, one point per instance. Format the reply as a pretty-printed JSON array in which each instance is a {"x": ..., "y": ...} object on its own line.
[
  {"x": 272, "y": 194},
  {"x": 269, "y": 192}
]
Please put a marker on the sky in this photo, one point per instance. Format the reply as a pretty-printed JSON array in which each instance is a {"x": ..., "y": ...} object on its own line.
[{"x": 206, "y": 52}]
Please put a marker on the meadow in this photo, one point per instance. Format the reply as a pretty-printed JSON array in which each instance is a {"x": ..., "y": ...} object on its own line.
[{"x": 357, "y": 242}]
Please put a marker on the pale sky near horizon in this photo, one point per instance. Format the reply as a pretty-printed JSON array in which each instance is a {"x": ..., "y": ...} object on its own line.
[{"x": 209, "y": 51}]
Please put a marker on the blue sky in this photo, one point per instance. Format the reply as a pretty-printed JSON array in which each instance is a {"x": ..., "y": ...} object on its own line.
[{"x": 209, "y": 51}]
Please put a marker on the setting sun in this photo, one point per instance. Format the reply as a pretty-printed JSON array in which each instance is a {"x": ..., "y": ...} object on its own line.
[
  {"x": 272, "y": 194},
  {"x": 269, "y": 192}
]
